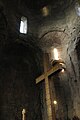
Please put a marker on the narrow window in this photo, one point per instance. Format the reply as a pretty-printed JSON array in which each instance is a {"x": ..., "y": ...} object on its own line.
[
  {"x": 77, "y": 7},
  {"x": 23, "y": 25}
]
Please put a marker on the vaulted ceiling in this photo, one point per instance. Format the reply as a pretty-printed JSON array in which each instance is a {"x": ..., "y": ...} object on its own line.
[
  {"x": 55, "y": 26},
  {"x": 55, "y": 4}
]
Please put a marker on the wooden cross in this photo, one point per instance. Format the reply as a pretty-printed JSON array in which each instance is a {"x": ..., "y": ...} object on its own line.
[
  {"x": 45, "y": 76},
  {"x": 23, "y": 114}
]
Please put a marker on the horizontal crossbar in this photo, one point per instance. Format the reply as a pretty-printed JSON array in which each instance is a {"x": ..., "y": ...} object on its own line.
[{"x": 54, "y": 69}]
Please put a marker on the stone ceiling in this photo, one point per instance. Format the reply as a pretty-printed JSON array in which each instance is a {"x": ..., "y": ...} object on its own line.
[
  {"x": 56, "y": 5},
  {"x": 57, "y": 28}
]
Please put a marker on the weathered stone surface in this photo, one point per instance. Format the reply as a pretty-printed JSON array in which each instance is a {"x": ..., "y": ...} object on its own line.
[{"x": 20, "y": 65}]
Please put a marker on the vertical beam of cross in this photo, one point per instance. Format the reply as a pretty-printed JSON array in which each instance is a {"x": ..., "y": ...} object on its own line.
[
  {"x": 47, "y": 90},
  {"x": 46, "y": 76}
]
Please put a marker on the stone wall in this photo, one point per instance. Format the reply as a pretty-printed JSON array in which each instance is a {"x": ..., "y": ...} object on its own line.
[{"x": 17, "y": 83}]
